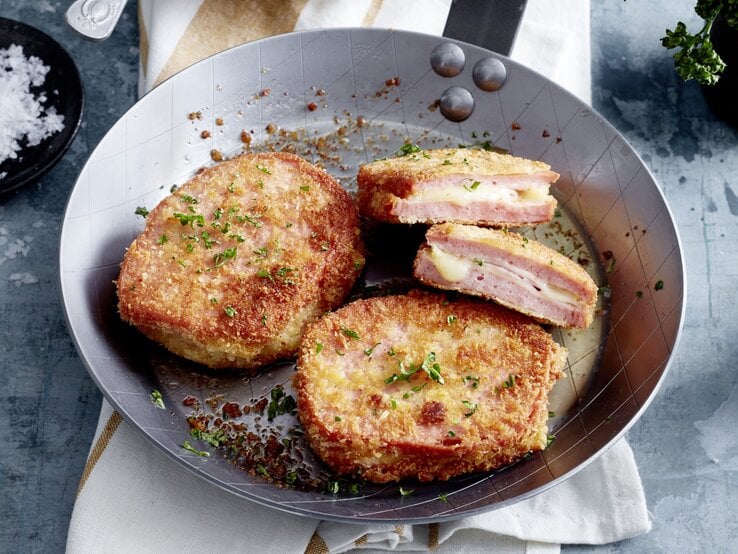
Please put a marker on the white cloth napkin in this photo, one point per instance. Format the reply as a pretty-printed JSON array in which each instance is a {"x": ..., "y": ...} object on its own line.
[{"x": 132, "y": 498}]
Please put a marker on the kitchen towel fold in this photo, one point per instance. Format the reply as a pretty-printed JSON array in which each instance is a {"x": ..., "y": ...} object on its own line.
[{"x": 133, "y": 498}]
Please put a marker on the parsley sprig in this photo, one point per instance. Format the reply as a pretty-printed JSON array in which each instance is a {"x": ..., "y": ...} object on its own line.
[{"x": 696, "y": 57}]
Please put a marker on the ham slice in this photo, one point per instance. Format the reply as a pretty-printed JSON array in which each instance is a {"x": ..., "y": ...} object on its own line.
[
  {"x": 510, "y": 269},
  {"x": 457, "y": 185}
]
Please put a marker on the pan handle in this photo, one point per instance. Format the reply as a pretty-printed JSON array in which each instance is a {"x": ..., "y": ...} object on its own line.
[{"x": 491, "y": 24}]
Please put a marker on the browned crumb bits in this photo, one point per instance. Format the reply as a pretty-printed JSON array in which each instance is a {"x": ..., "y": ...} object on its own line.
[
  {"x": 395, "y": 81},
  {"x": 219, "y": 121},
  {"x": 271, "y": 128},
  {"x": 265, "y": 92},
  {"x": 312, "y": 106},
  {"x": 515, "y": 126},
  {"x": 545, "y": 134},
  {"x": 205, "y": 134},
  {"x": 194, "y": 115},
  {"x": 216, "y": 155},
  {"x": 246, "y": 138}
]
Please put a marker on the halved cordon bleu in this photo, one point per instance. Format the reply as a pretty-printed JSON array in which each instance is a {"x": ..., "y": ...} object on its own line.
[
  {"x": 510, "y": 269},
  {"x": 457, "y": 185}
]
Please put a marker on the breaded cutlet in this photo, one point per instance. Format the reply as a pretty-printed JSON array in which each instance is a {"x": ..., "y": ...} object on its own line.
[
  {"x": 422, "y": 387},
  {"x": 231, "y": 267}
]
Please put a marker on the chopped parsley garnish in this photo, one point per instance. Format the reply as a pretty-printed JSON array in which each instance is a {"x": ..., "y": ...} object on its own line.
[
  {"x": 143, "y": 212},
  {"x": 262, "y": 470},
  {"x": 406, "y": 492},
  {"x": 443, "y": 498},
  {"x": 218, "y": 213},
  {"x": 318, "y": 347},
  {"x": 253, "y": 219},
  {"x": 473, "y": 380},
  {"x": 509, "y": 382},
  {"x": 333, "y": 487},
  {"x": 429, "y": 366},
  {"x": 350, "y": 333},
  {"x": 213, "y": 300},
  {"x": 370, "y": 351},
  {"x": 447, "y": 162},
  {"x": 659, "y": 285},
  {"x": 207, "y": 242},
  {"x": 264, "y": 274},
  {"x": 305, "y": 188},
  {"x": 337, "y": 418},
  {"x": 473, "y": 186},
  {"x": 190, "y": 219},
  {"x": 157, "y": 399},
  {"x": 264, "y": 320},
  {"x": 230, "y": 311},
  {"x": 479, "y": 262},
  {"x": 215, "y": 438},
  {"x": 281, "y": 403},
  {"x": 187, "y": 446},
  {"x": 263, "y": 169},
  {"x": 550, "y": 439},
  {"x": 406, "y": 149},
  {"x": 222, "y": 257},
  {"x": 162, "y": 239},
  {"x": 639, "y": 293},
  {"x": 472, "y": 407},
  {"x": 189, "y": 199},
  {"x": 451, "y": 434},
  {"x": 450, "y": 319}
]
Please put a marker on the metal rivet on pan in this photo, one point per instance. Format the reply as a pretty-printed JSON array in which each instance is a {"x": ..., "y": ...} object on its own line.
[
  {"x": 456, "y": 103},
  {"x": 489, "y": 74},
  {"x": 447, "y": 59}
]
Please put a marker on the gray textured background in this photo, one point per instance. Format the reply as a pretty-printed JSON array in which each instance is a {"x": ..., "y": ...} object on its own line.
[{"x": 685, "y": 444}]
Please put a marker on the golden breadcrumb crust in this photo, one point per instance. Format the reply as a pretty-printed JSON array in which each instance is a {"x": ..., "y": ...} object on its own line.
[
  {"x": 496, "y": 367},
  {"x": 231, "y": 267}
]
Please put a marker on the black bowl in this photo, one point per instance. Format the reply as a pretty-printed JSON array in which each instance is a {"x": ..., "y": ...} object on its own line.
[{"x": 63, "y": 91}]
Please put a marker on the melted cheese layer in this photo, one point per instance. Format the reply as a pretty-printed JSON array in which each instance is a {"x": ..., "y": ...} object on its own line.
[
  {"x": 454, "y": 268},
  {"x": 470, "y": 191}
]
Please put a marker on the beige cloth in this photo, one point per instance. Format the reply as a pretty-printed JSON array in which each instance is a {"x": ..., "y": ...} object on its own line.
[{"x": 132, "y": 498}]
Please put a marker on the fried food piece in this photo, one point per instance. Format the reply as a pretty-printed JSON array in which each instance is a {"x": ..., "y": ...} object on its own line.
[
  {"x": 508, "y": 268},
  {"x": 457, "y": 185},
  {"x": 233, "y": 265},
  {"x": 417, "y": 386}
]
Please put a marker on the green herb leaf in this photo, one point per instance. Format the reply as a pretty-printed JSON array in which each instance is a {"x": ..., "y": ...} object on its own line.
[
  {"x": 157, "y": 399},
  {"x": 281, "y": 403},
  {"x": 187, "y": 446},
  {"x": 215, "y": 438},
  {"x": 222, "y": 257},
  {"x": 143, "y": 212},
  {"x": 406, "y": 492},
  {"x": 263, "y": 169},
  {"x": 350, "y": 333},
  {"x": 471, "y": 407},
  {"x": 191, "y": 219},
  {"x": 696, "y": 57},
  {"x": 230, "y": 311},
  {"x": 659, "y": 285},
  {"x": 406, "y": 149}
]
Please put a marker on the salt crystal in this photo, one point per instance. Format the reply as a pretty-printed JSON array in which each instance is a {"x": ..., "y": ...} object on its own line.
[{"x": 23, "y": 116}]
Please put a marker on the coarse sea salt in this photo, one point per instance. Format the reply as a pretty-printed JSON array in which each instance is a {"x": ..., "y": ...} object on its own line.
[{"x": 24, "y": 120}]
